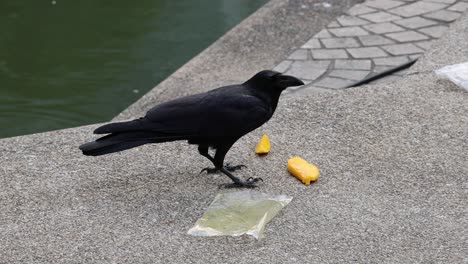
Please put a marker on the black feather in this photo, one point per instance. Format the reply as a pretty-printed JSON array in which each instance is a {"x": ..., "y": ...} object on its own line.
[
  {"x": 96, "y": 148},
  {"x": 122, "y": 141}
]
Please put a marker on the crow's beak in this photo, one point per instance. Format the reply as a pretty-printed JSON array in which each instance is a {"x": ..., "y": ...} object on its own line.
[{"x": 288, "y": 81}]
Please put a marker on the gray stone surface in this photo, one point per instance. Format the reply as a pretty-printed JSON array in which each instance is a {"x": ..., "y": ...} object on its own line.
[
  {"x": 333, "y": 24},
  {"x": 375, "y": 40},
  {"x": 401, "y": 73},
  {"x": 362, "y": 34},
  {"x": 407, "y": 36},
  {"x": 360, "y": 9},
  {"x": 380, "y": 17},
  {"x": 351, "y": 21},
  {"x": 349, "y": 74},
  {"x": 415, "y": 22},
  {"x": 353, "y": 64},
  {"x": 300, "y": 54},
  {"x": 424, "y": 44},
  {"x": 381, "y": 68},
  {"x": 435, "y": 31},
  {"x": 329, "y": 54},
  {"x": 348, "y": 31},
  {"x": 370, "y": 52},
  {"x": 340, "y": 43},
  {"x": 390, "y": 61},
  {"x": 414, "y": 56},
  {"x": 383, "y": 4},
  {"x": 442, "y": 1},
  {"x": 392, "y": 189},
  {"x": 402, "y": 49},
  {"x": 380, "y": 28},
  {"x": 333, "y": 83},
  {"x": 387, "y": 79},
  {"x": 283, "y": 66},
  {"x": 308, "y": 70},
  {"x": 449, "y": 49},
  {"x": 312, "y": 44},
  {"x": 417, "y": 8},
  {"x": 443, "y": 15},
  {"x": 323, "y": 34},
  {"x": 459, "y": 7}
]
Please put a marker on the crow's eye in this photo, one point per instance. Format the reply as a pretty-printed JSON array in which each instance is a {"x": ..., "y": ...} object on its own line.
[
  {"x": 276, "y": 77},
  {"x": 281, "y": 78}
]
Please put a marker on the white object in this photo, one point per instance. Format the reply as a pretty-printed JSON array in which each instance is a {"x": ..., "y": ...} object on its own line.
[{"x": 457, "y": 73}]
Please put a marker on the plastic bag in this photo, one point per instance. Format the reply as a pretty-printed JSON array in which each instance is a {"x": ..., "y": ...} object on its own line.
[
  {"x": 457, "y": 73},
  {"x": 238, "y": 213}
]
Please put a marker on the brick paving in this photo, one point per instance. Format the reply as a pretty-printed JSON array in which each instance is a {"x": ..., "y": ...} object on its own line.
[{"x": 370, "y": 38}]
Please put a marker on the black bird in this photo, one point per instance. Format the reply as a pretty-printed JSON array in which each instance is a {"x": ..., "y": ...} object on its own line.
[{"x": 214, "y": 119}]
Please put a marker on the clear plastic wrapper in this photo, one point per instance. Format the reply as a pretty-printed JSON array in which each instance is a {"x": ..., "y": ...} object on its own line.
[
  {"x": 238, "y": 213},
  {"x": 457, "y": 73}
]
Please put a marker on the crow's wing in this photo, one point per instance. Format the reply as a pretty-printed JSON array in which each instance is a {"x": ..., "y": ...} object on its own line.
[
  {"x": 170, "y": 117},
  {"x": 228, "y": 112},
  {"x": 220, "y": 113},
  {"x": 234, "y": 116}
]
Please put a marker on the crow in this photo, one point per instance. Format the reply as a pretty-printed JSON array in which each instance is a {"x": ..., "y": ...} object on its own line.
[{"x": 215, "y": 119}]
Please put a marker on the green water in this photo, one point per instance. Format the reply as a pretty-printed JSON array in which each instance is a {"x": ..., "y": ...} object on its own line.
[{"x": 67, "y": 63}]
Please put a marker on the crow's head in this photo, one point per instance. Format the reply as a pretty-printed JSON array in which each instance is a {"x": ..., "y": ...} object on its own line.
[{"x": 273, "y": 80}]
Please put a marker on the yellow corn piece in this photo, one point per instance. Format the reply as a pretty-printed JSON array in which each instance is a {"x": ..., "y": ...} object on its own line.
[
  {"x": 303, "y": 170},
  {"x": 263, "y": 147}
]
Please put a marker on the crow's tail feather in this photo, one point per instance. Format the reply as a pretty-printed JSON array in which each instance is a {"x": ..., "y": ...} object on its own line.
[
  {"x": 116, "y": 142},
  {"x": 97, "y": 148}
]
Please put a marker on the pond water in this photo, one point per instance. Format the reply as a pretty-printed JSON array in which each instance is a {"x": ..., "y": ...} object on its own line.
[{"x": 67, "y": 63}]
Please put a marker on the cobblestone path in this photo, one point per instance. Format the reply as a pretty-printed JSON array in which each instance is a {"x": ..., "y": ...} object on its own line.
[{"x": 370, "y": 38}]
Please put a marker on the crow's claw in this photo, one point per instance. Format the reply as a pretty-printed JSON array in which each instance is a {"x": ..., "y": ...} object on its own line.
[
  {"x": 249, "y": 183},
  {"x": 254, "y": 179},
  {"x": 234, "y": 168}
]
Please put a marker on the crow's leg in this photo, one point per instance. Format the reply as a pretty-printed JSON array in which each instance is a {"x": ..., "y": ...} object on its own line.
[
  {"x": 228, "y": 167},
  {"x": 219, "y": 162},
  {"x": 237, "y": 182},
  {"x": 203, "y": 150}
]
